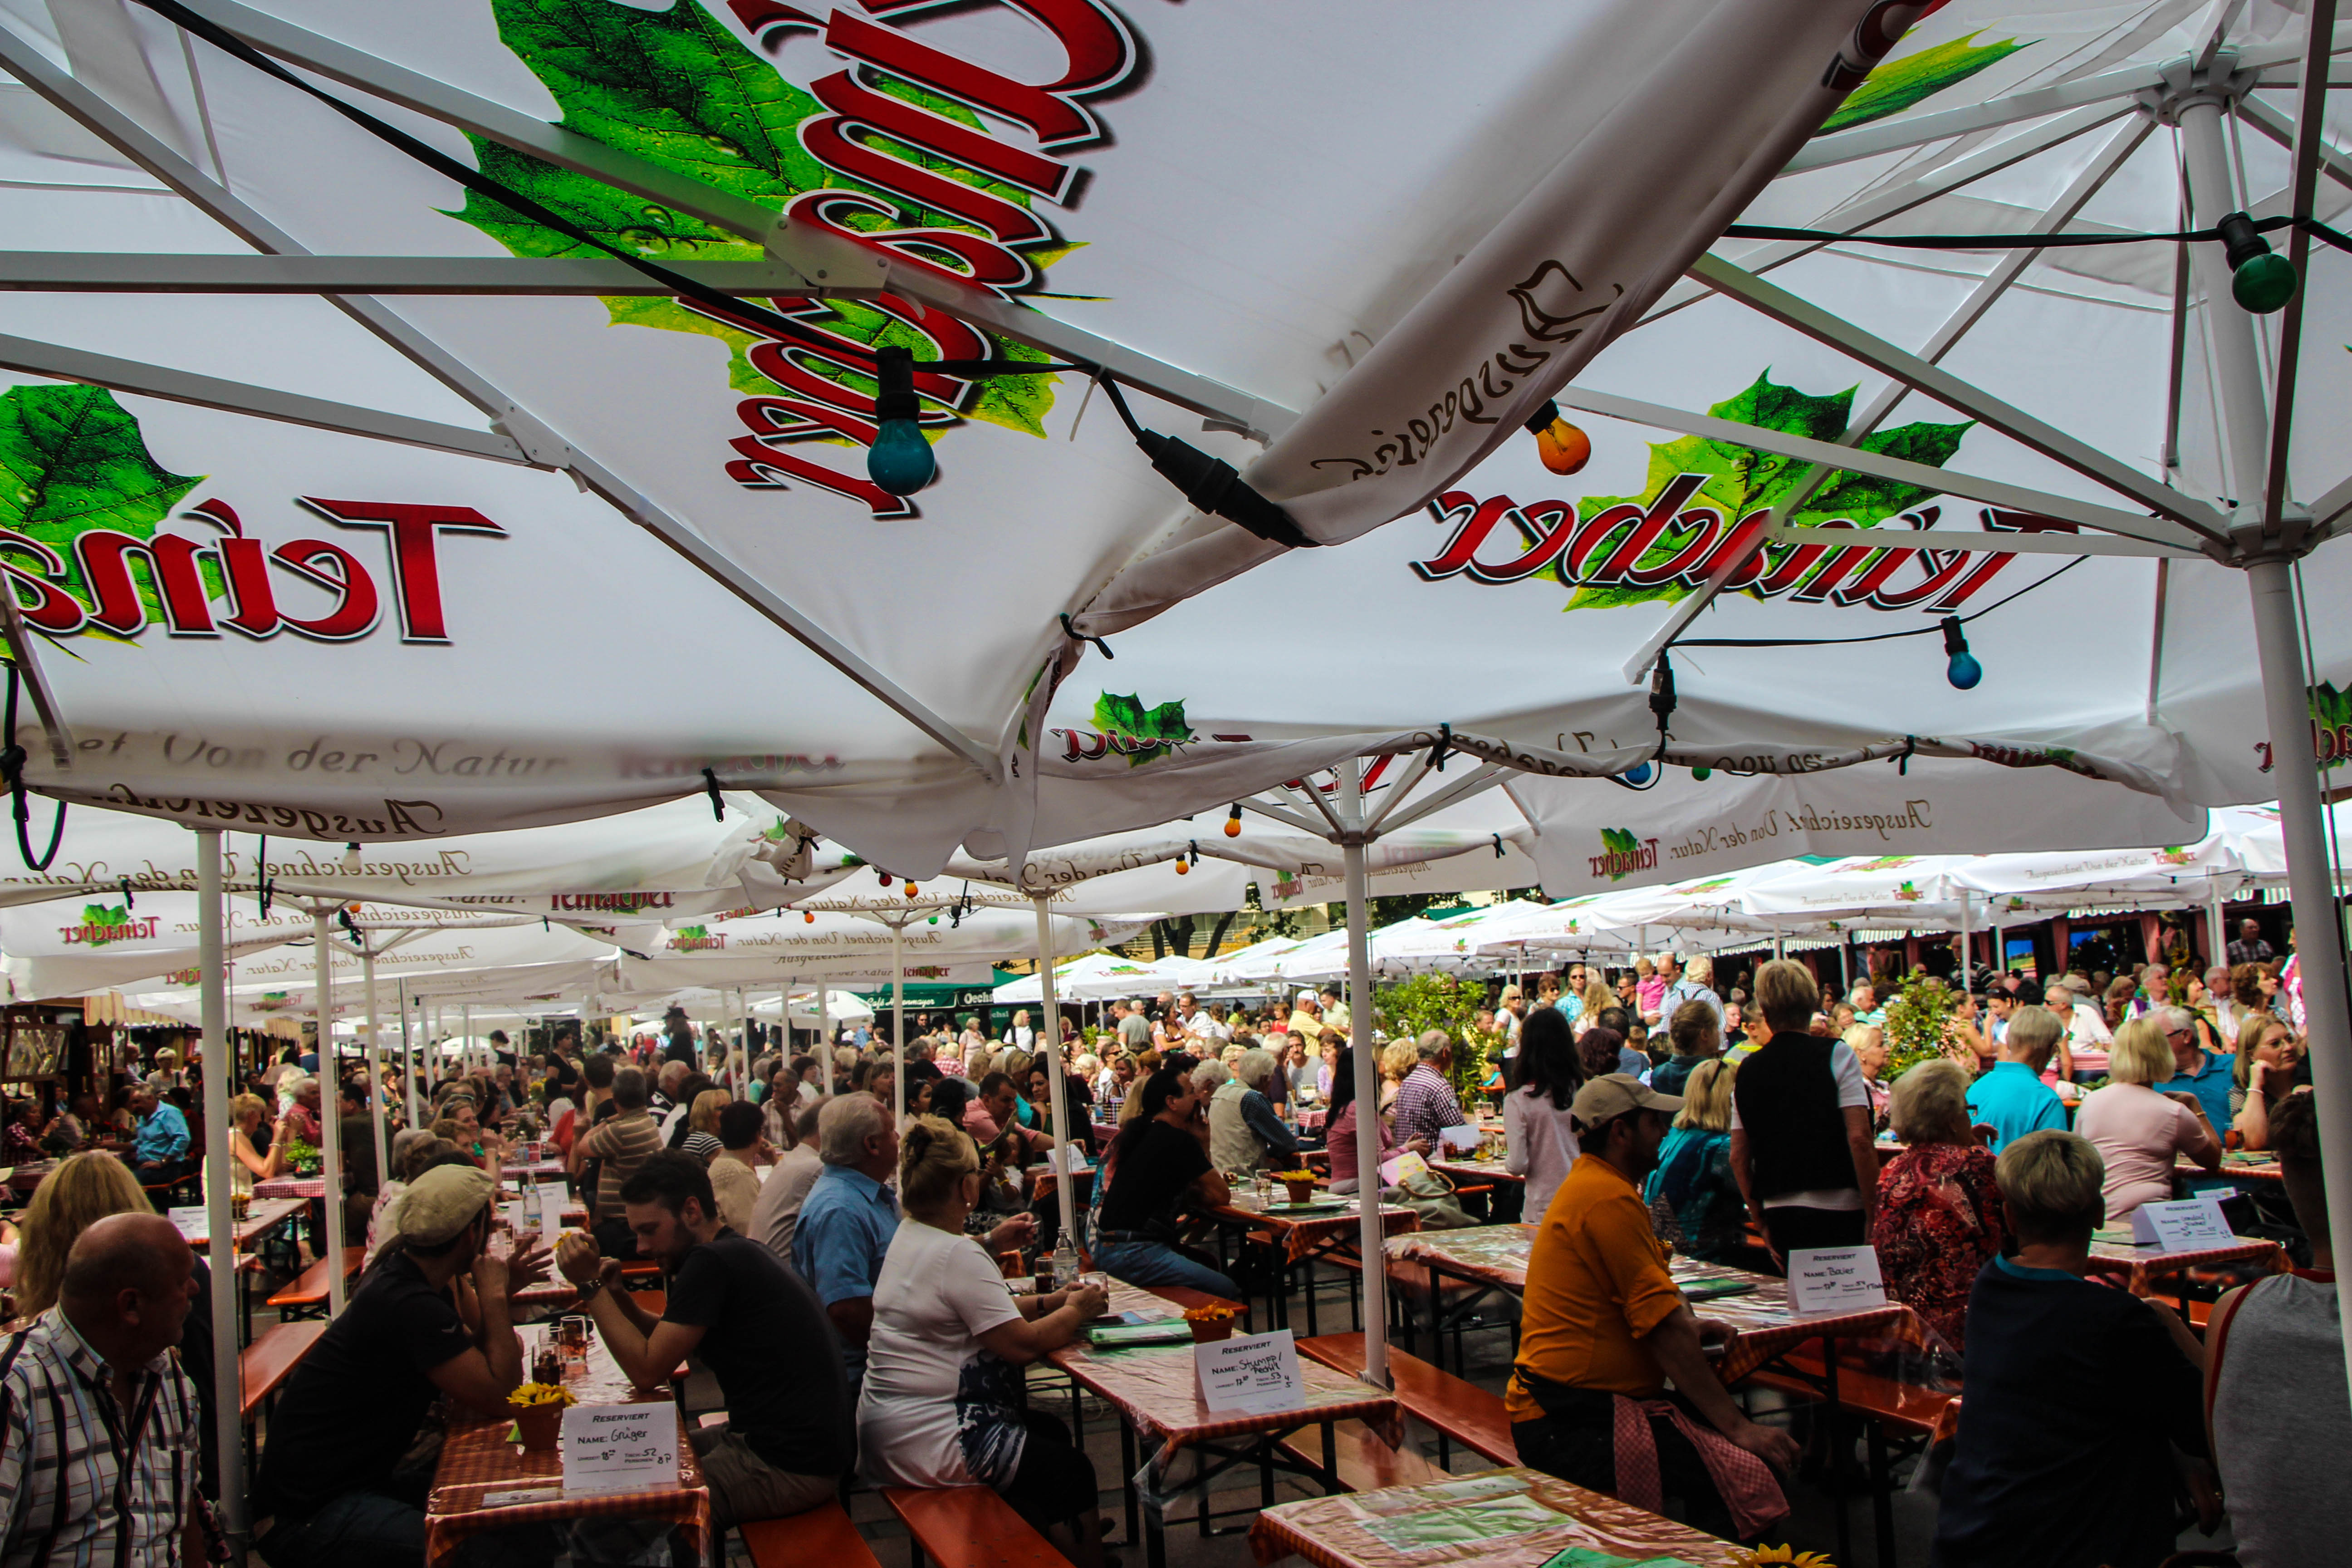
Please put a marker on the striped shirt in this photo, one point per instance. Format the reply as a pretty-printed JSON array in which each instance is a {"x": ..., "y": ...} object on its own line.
[{"x": 82, "y": 1483}]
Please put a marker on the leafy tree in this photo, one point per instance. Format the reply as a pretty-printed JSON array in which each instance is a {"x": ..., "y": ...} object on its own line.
[
  {"x": 1916, "y": 1018},
  {"x": 1447, "y": 1002}
]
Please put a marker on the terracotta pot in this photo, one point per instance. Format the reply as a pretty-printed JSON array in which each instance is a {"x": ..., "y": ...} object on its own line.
[
  {"x": 541, "y": 1425},
  {"x": 1300, "y": 1192},
  {"x": 1209, "y": 1331}
]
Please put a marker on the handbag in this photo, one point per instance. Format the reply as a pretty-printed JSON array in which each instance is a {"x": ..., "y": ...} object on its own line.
[{"x": 1430, "y": 1196}]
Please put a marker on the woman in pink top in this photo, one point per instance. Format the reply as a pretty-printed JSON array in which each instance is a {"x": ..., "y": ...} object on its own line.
[
  {"x": 1340, "y": 1131},
  {"x": 2139, "y": 1131}
]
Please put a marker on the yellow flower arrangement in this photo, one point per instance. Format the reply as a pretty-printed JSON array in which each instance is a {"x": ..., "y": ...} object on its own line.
[
  {"x": 536, "y": 1393},
  {"x": 1207, "y": 1314},
  {"x": 1785, "y": 1557},
  {"x": 1294, "y": 1175}
]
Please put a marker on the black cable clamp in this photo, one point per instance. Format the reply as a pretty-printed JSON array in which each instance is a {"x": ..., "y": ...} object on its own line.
[
  {"x": 1443, "y": 749},
  {"x": 13, "y": 758},
  {"x": 129, "y": 899},
  {"x": 1211, "y": 484},
  {"x": 1902, "y": 762},
  {"x": 1498, "y": 845},
  {"x": 1075, "y": 635},
  {"x": 717, "y": 801},
  {"x": 1661, "y": 699}
]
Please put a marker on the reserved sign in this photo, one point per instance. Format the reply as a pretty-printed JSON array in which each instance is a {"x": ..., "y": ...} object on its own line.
[
  {"x": 1828, "y": 1280},
  {"x": 620, "y": 1447},
  {"x": 1257, "y": 1373},
  {"x": 550, "y": 1212},
  {"x": 2192, "y": 1225}
]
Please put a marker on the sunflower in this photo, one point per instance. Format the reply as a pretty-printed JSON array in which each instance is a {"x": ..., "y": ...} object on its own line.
[{"x": 1786, "y": 1557}]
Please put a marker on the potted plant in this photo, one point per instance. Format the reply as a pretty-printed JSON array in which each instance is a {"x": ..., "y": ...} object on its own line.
[
  {"x": 1300, "y": 1184},
  {"x": 1209, "y": 1324},
  {"x": 539, "y": 1413}
]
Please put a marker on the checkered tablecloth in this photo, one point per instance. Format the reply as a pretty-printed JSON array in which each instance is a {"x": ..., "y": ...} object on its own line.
[
  {"x": 1303, "y": 1235},
  {"x": 1477, "y": 1171},
  {"x": 477, "y": 1460},
  {"x": 2113, "y": 1254},
  {"x": 1155, "y": 1391},
  {"x": 304, "y": 1188},
  {"x": 1497, "y": 1255}
]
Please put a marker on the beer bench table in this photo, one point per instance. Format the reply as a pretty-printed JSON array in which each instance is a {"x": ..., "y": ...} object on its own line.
[
  {"x": 1300, "y": 1240},
  {"x": 1155, "y": 1394},
  {"x": 485, "y": 1482}
]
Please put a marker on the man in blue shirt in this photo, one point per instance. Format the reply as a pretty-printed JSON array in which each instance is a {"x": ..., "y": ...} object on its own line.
[
  {"x": 2011, "y": 1099},
  {"x": 848, "y": 1218},
  {"x": 162, "y": 1139},
  {"x": 2199, "y": 1072}
]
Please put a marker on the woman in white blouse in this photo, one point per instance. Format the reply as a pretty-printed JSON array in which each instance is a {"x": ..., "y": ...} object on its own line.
[{"x": 1540, "y": 1140}]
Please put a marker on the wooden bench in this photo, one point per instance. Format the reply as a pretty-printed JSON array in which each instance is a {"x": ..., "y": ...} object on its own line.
[
  {"x": 264, "y": 1366},
  {"x": 306, "y": 1294},
  {"x": 1459, "y": 1412},
  {"x": 822, "y": 1535},
  {"x": 969, "y": 1527},
  {"x": 1903, "y": 1407},
  {"x": 1364, "y": 1462}
]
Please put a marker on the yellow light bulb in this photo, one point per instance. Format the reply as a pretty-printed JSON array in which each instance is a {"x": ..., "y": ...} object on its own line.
[
  {"x": 1183, "y": 867},
  {"x": 910, "y": 889},
  {"x": 1563, "y": 447}
]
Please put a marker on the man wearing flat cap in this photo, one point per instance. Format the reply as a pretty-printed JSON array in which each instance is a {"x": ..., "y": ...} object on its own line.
[
  {"x": 1604, "y": 1326},
  {"x": 433, "y": 1316}
]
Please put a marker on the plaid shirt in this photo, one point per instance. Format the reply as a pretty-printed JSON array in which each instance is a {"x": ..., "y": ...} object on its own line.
[
  {"x": 1426, "y": 1104},
  {"x": 68, "y": 1497}
]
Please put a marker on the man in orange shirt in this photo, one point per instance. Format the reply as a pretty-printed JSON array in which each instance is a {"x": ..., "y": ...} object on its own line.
[{"x": 1604, "y": 1328}]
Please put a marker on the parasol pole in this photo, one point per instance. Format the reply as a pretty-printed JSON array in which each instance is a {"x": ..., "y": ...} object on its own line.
[
  {"x": 1066, "y": 1182},
  {"x": 1372, "y": 1237},
  {"x": 228, "y": 1434},
  {"x": 330, "y": 1119},
  {"x": 899, "y": 1019},
  {"x": 377, "y": 1109}
]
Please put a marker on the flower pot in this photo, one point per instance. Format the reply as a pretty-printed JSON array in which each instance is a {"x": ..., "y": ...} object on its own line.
[
  {"x": 1300, "y": 1192},
  {"x": 1209, "y": 1331},
  {"x": 540, "y": 1426}
]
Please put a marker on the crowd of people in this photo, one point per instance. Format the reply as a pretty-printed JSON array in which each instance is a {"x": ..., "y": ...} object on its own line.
[{"x": 795, "y": 1204}]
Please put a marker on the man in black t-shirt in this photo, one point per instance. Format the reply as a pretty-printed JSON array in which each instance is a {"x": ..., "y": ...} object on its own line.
[
  {"x": 330, "y": 1493},
  {"x": 1161, "y": 1158},
  {"x": 790, "y": 1435}
]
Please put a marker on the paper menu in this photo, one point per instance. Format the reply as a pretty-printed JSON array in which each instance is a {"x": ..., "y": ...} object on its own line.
[
  {"x": 1828, "y": 1280},
  {"x": 550, "y": 1211},
  {"x": 1457, "y": 1140},
  {"x": 1260, "y": 1373}
]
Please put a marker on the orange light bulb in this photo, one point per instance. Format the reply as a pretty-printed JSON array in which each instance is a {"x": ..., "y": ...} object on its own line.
[
  {"x": 809, "y": 916},
  {"x": 1563, "y": 447},
  {"x": 910, "y": 889},
  {"x": 1183, "y": 867},
  {"x": 1233, "y": 828}
]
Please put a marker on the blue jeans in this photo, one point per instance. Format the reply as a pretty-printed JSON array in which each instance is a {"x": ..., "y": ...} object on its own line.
[
  {"x": 378, "y": 1530},
  {"x": 1150, "y": 1263}
]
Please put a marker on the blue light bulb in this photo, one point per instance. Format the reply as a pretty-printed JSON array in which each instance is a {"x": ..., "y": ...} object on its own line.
[
  {"x": 1639, "y": 773},
  {"x": 1964, "y": 671},
  {"x": 900, "y": 460}
]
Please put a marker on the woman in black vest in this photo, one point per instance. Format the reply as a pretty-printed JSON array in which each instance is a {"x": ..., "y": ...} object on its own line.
[{"x": 1800, "y": 1142}]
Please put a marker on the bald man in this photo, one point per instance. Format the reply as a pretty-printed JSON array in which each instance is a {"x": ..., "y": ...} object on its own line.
[{"x": 97, "y": 1363}]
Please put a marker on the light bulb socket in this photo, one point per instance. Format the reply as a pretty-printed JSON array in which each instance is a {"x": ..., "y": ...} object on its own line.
[
  {"x": 1541, "y": 419},
  {"x": 893, "y": 372},
  {"x": 2240, "y": 241}
]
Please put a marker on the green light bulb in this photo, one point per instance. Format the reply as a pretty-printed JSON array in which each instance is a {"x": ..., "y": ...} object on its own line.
[{"x": 2264, "y": 284}]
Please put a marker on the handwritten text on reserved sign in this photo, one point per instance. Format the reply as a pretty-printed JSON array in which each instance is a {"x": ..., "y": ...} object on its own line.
[
  {"x": 1260, "y": 1373},
  {"x": 1823, "y": 1279},
  {"x": 619, "y": 1447}
]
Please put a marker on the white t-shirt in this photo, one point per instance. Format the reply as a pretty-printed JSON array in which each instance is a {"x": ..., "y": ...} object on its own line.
[
  {"x": 1846, "y": 1067},
  {"x": 937, "y": 1408}
]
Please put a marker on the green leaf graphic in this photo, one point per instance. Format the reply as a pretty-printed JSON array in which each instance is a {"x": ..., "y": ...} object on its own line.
[
  {"x": 1150, "y": 732},
  {"x": 72, "y": 459},
  {"x": 1744, "y": 479},
  {"x": 677, "y": 87},
  {"x": 1898, "y": 84},
  {"x": 103, "y": 917}
]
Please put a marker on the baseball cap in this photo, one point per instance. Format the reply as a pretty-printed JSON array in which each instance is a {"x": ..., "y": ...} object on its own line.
[
  {"x": 1614, "y": 1094},
  {"x": 442, "y": 1201}
]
